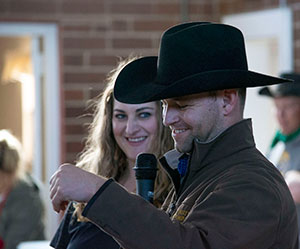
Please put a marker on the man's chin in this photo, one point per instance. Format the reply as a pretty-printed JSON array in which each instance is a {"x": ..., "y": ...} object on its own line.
[{"x": 183, "y": 149}]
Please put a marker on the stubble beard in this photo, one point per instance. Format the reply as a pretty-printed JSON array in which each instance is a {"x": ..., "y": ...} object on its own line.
[{"x": 186, "y": 146}]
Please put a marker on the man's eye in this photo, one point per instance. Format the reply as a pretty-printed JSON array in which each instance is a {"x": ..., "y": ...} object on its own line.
[
  {"x": 145, "y": 115},
  {"x": 182, "y": 106}
]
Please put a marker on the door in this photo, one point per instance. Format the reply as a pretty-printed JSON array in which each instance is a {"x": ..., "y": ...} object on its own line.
[
  {"x": 30, "y": 80},
  {"x": 268, "y": 37}
]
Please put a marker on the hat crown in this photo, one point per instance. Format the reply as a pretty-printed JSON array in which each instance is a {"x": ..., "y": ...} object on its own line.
[
  {"x": 291, "y": 88},
  {"x": 221, "y": 47},
  {"x": 193, "y": 58}
]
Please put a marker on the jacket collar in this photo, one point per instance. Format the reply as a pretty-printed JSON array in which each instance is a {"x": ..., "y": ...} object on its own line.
[{"x": 232, "y": 140}]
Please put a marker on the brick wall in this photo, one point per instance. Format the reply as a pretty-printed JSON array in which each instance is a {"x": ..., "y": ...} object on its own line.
[{"x": 94, "y": 33}]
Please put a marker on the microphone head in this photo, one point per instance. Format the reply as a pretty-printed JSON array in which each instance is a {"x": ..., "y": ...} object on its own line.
[
  {"x": 146, "y": 160},
  {"x": 145, "y": 166}
]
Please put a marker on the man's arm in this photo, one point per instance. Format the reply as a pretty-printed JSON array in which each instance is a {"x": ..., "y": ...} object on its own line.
[
  {"x": 71, "y": 183},
  {"x": 226, "y": 218}
]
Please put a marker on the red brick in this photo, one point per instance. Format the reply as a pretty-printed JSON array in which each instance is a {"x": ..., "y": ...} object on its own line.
[
  {"x": 253, "y": 5},
  {"x": 101, "y": 27},
  {"x": 83, "y": 7},
  {"x": 296, "y": 52},
  {"x": 296, "y": 15},
  {"x": 73, "y": 60},
  {"x": 93, "y": 93},
  {"x": 152, "y": 25},
  {"x": 84, "y": 42},
  {"x": 206, "y": 8},
  {"x": 166, "y": 8},
  {"x": 297, "y": 66},
  {"x": 33, "y": 6},
  {"x": 131, "y": 43},
  {"x": 78, "y": 27},
  {"x": 103, "y": 60},
  {"x": 273, "y": 3},
  {"x": 119, "y": 25},
  {"x": 70, "y": 158},
  {"x": 130, "y": 8},
  {"x": 83, "y": 77},
  {"x": 73, "y": 95},
  {"x": 75, "y": 147},
  {"x": 75, "y": 129},
  {"x": 75, "y": 112},
  {"x": 229, "y": 7}
]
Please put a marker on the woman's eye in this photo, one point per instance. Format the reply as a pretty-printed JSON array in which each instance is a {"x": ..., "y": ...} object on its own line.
[
  {"x": 144, "y": 114},
  {"x": 120, "y": 116}
]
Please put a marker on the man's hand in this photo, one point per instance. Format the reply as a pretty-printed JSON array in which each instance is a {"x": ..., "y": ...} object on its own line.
[{"x": 70, "y": 183}]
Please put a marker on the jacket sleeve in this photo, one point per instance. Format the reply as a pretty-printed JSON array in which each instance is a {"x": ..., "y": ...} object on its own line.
[
  {"x": 233, "y": 216},
  {"x": 62, "y": 235}
]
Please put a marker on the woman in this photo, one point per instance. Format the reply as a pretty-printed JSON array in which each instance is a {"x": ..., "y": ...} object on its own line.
[
  {"x": 21, "y": 208},
  {"x": 118, "y": 133}
]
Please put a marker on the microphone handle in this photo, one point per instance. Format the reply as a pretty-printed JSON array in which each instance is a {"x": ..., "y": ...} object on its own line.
[{"x": 145, "y": 189}]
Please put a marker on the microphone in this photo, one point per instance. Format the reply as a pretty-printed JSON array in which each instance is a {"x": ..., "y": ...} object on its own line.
[{"x": 145, "y": 174}]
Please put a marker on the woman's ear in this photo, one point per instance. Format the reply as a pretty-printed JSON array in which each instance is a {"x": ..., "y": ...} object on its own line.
[{"x": 230, "y": 100}]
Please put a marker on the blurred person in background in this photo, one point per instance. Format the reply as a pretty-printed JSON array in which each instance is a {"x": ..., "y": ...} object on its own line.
[
  {"x": 21, "y": 207},
  {"x": 284, "y": 149},
  {"x": 118, "y": 133}
]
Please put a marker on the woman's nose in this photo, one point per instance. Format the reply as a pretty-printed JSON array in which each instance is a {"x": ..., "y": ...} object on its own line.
[{"x": 132, "y": 126}]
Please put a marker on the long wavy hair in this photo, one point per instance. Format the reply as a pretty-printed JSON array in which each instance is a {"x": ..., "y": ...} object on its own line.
[{"x": 103, "y": 156}]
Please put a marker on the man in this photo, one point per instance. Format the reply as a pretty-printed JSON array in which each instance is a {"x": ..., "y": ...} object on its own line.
[
  {"x": 284, "y": 149},
  {"x": 285, "y": 146},
  {"x": 226, "y": 194}
]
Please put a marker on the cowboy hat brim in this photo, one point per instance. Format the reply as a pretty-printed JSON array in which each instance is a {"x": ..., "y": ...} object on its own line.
[{"x": 137, "y": 82}]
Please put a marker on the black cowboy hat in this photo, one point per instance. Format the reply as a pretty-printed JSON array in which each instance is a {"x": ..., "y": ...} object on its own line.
[
  {"x": 284, "y": 89},
  {"x": 194, "y": 57}
]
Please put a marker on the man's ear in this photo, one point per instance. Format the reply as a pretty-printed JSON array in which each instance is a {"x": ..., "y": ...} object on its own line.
[{"x": 230, "y": 101}]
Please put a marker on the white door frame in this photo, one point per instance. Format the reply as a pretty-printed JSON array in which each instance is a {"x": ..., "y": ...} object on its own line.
[{"x": 47, "y": 123}]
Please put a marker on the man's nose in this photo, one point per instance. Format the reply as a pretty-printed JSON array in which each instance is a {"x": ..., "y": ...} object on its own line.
[{"x": 170, "y": 116}]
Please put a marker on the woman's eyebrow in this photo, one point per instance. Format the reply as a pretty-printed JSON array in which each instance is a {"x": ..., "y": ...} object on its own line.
[
  {"x": 119, "y": 110},
  {"x": 144, "y": 108}
]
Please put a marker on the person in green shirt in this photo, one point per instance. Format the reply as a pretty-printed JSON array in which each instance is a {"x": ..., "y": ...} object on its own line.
[{"x": 284, "y": 149}]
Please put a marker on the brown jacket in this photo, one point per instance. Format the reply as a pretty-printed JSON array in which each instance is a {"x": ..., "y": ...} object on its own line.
[{"x": 232, "y": 197}]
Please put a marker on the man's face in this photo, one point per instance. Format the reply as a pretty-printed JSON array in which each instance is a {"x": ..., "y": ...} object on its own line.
[
  {"x": 288, "y": 113},
  {"x": 192, "y": 116}
]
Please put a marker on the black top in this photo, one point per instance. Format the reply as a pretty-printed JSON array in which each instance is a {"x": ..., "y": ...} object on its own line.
[{"x": 72, "y": 234}]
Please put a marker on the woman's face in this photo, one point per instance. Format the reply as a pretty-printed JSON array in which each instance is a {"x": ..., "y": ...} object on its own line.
[{"x": 135, "y": 127}]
